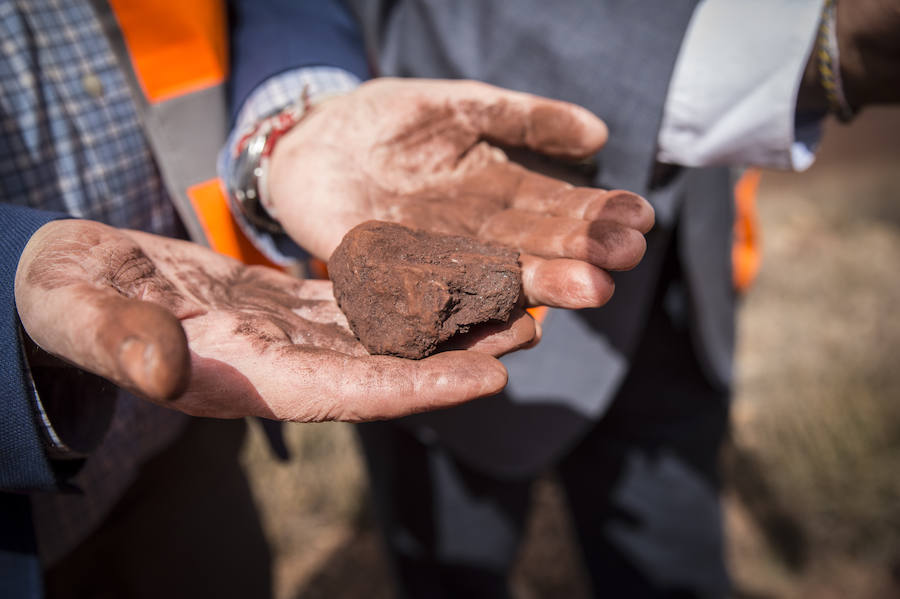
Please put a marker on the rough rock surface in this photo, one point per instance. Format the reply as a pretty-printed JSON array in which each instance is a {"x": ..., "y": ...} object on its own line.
[{"x": 404, "y": 291}]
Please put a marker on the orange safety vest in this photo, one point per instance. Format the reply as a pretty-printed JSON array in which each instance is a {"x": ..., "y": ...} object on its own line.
[
  {"x": 746, "y": 251},
  {"x": 178, "y": 58}
]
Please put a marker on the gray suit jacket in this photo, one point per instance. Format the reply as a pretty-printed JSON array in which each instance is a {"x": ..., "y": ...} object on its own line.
[{"x": 614, "y": 57}]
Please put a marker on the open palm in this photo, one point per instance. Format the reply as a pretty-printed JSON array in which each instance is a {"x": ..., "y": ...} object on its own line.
[
  {"x": 199, "y": 332},
  {"x": 419, "y": 152}
]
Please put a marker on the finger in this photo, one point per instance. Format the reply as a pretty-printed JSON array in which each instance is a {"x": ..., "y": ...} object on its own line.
[
  {"x": 315, "y": 290},
  {"x": 518, "y": 119},
  {"x": 534, "y": 192},
  {"x": 538, "y": 333},
  {"x": 498, "y": 338},
  {"x": 446, "y": 214},
  {"x": 546, "y": 195},
  {"x": 563, "y": 283},
  {"x": 607, "y": 245},
  {"x": 319, "y": 386},
  {"x": 439, "y": 381},
  {"x": 135, "y": 344}
]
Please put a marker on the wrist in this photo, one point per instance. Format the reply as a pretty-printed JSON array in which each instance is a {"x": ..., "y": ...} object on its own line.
[
  {"x": 823, "y": 85},
  {"x": 292, "y": 177},
  {"x": 248, "y": 183},
  {"x": 268, "y": 98},
  {"x": 866, "y": 38},
  {"x": 868, "y": 32}
]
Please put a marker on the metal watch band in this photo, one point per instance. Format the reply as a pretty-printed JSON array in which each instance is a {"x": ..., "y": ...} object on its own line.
[{"x": 247, "y": 184}]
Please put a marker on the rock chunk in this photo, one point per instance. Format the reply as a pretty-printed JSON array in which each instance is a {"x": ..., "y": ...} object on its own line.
[{"x": 404, "y": 291}]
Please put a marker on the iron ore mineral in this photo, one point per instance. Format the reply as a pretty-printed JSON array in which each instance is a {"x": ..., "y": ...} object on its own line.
[{"x": 405, "y": 291}]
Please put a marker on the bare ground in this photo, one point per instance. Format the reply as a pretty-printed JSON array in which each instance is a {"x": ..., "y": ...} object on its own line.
[{"x": 813, "y": 492}]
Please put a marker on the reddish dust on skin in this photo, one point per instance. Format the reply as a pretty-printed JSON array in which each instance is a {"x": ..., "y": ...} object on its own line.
[
  {"x": 625, "y": 206},
  {"x": 540, "y": 125},
  {"x": 405, "y": 291},
  {"x": 150, "y": 347},
  {"x": 138, "y": 344},
  {"x": 142, "y": 291},
  {"x": 556, "y": 132},
  {"x": 614, "y": 246}
]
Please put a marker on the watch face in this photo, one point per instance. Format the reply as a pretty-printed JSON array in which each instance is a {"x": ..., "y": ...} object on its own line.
[
  {"x": 247, "y": 183},
  {"x": 247, "y": 170}
]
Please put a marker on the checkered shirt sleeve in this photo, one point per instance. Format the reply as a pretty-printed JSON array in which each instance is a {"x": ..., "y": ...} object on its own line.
[{"x": 70, "y": 140}]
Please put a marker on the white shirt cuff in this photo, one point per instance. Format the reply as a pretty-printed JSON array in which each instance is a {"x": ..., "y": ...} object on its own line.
[{"x": 733, "y": 94}]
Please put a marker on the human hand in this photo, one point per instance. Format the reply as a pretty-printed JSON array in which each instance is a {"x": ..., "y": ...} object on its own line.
[
  {"x": 195, "y": 331},
  {"x": 868, "y": 34},
  {"x": 868, "y": 41},
  {"x": 418, "y": 152}
]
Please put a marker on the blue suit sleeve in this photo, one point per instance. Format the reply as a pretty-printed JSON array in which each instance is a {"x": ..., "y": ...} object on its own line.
[
  {"x": 268, "y": 37},
  {"x": 23, "y": 461}
]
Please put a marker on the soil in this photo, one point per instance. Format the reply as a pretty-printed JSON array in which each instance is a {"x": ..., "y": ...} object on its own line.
[{"x": 406, "y": 291}]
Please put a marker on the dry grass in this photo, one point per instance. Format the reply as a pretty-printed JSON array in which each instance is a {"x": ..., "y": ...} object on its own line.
[
  {"x": 312, "y": 506},
  {"x": 813, "y": 501}
]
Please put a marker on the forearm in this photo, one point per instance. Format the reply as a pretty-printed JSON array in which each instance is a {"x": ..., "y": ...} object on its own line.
[{"x": 868, "y": 44}]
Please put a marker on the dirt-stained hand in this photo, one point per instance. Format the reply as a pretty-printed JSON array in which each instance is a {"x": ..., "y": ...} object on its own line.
[
  {"x": 198, "y": 332},
  {"x": 419, "y": 152}
]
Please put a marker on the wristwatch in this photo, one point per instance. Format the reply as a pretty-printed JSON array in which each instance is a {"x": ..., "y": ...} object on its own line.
[{"x": 247, "y": 182}]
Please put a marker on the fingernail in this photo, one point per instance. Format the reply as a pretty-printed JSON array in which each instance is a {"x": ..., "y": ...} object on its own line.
[{"x": 494, "y": 379}]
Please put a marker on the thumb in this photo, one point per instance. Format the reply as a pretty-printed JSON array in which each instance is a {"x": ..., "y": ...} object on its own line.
[
  {"x": 135, "y": 344},
  {"x": 144, "y": 346},
  {"x": 68, "y": 306}
]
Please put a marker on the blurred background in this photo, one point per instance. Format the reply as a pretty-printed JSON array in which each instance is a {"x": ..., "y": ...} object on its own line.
[{"x": 812, "y": 472}]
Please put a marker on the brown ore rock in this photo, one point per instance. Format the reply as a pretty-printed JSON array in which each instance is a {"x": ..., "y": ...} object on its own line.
[{"x": 404, "y": 291}]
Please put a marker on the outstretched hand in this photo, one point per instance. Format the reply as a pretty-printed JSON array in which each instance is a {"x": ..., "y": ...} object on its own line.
[
  {"x": 418, "y": 152},
  {"x": 196, "y": 331}
]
